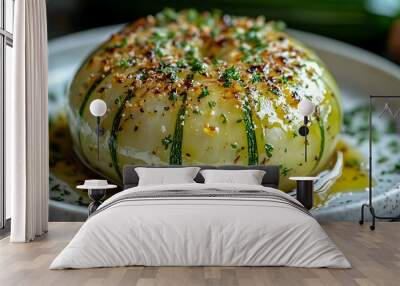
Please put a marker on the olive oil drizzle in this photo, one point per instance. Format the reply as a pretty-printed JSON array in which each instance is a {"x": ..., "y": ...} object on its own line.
[
  {"x": 334, "y": 95},
  {"x": 250, "y": 133},
  {"x": 320, "y": 121},
  {"x": 176, "y": 147},
  {"x": 112, "y": 141}
]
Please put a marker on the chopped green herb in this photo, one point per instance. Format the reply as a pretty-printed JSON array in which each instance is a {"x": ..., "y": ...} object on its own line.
[
  {"x": 142, "y": 74},
  {"x": 168, "y": 70},
  {"x": 285, "y": 170},
  {"x": 171, "y": 34},
  {"x": 122, "y": 64},
  {"x": 173, "y": 95},
  {"x": 190, "y": 54},
  {"x": 353, "y": 163},
  {"x": 166, "y": 141},
  {"x": 118, "y": 100},
  {"x": 216, "y": 62},
  {"x": 214, "y": 33},
  {"x": 167, "y": 15},
  {"x": 252, "y": 36},
  {"x": 279, "y": 25},
  {"x": 234, "y": 145},
  {"x": 193, "y": 16},
  {"x": 157, "y": 38},
  {"x": 256, "y": 77},
  {"x": 121, "y": 44},
  {"x": 190, "y": 76},
  {"x": 382, "y": 160},
  {"x": 285, "y": 80},
  {"x": 126, "y": 63},
  {"x": 391, "y": 127},
  {"x": 198, "y": 66},
  {"x": 159, "y": 51},
  {"x": 394, "y": 146},
  {"x": 239, "y": 120},
  {"x": 247, "y": 54},
  {"x": 212, "y": 104},
  {"x": 230, "y": 74},
  {"x": 275, "y": 90},
  {"x": 181, "y": 63},
  {"x": 196, "y": 110},
  {"x": 204, "y": 92},
  {"x": 268, "y": 150},
  {"x": 359, "y": 128},
  {"x": 224, "y": 119},
  {"x": 396, "y": 168}
]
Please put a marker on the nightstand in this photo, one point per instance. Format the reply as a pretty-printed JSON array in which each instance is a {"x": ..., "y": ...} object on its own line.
[
  {"x": 96, "y": 191},
  {"x": 304, "y": 192}
]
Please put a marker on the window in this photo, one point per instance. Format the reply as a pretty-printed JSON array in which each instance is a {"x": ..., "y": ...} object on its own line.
[
  {"x": 6, "y": 62},
  {"x": 9, "y": 19}
]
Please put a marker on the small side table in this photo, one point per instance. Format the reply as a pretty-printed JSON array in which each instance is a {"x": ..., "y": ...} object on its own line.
[
  {"x": 304, "y": 193},
  {"x": 96, "y": 193}
]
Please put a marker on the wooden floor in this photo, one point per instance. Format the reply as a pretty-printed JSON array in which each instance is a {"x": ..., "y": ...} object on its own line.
[{"x": 375, "y": 257}]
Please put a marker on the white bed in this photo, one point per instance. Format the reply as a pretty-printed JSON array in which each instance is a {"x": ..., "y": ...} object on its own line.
[{"x": 247, "y": 226}]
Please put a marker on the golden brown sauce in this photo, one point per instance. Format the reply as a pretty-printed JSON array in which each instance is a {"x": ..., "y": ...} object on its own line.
[
  {"x": 64, "y": 164},
  {"x": 354, "y": 177}
]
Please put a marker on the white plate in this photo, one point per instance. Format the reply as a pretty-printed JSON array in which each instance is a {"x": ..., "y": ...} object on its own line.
[{"x": 358, "y": 73}]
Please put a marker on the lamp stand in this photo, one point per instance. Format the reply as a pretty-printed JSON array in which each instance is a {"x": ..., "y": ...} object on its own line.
[
  {"x": 303, "y": 131},
  {"x": 98, "y": 136}
]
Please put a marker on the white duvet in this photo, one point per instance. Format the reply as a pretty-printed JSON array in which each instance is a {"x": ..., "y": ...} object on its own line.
[{"x": 200, "y": 231}]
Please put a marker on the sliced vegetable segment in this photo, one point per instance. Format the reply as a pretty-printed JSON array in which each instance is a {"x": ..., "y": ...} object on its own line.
[
  {"x": 251, "y": 135},
  {"x": 176, "y": 148},
  {"x": 223, "y": 91},
  {"x": 112, "y": 141}
]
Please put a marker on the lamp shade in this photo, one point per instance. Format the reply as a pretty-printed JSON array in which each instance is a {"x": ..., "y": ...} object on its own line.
[
  {"x": 306, "y": 107},
  {"x": 98, "y": 107}
]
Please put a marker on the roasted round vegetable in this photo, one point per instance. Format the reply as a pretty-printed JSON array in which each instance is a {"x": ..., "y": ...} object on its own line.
[{"x": 189, "y": 88}]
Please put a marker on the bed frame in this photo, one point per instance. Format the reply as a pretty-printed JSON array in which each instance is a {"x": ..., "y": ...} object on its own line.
[{"x": 271, "y": 177}]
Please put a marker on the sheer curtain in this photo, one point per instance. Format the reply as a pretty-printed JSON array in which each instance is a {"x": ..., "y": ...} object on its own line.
[{"x": 27, "y": 124}]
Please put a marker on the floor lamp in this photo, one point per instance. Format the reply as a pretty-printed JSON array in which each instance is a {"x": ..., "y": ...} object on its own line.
[
  {"x": 306, "y": 108},
  {"x": 98, "y": 108},
  {"x": 370, "y": 205}
]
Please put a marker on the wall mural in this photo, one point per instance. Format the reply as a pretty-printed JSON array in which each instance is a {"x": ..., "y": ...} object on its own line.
[{"x": 185, "y": 87}]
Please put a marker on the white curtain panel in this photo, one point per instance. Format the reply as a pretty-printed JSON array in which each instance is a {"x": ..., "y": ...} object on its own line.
[{"x": 27, "y": 124}]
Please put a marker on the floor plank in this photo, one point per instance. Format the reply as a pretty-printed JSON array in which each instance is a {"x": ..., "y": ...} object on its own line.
[{"x": 375, "y": 257}]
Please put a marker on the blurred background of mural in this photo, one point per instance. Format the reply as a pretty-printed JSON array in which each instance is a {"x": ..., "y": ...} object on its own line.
[{"x": 371, "y": 24}]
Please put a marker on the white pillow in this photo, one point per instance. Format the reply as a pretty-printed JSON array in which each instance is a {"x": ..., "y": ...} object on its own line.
[
  {"x": 248, "y": 177},
  {"x": 166, "y": 176}
]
